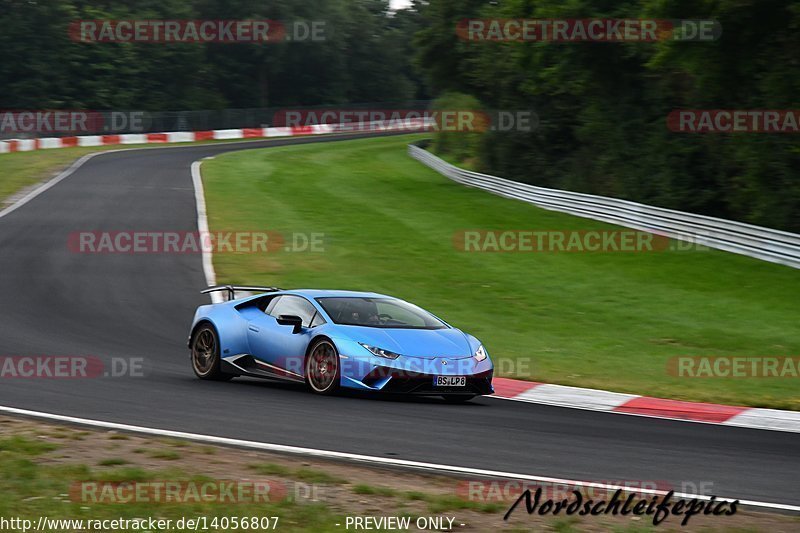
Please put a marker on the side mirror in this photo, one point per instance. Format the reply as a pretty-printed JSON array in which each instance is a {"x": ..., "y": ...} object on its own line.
[{"x": 291, "y": 320}]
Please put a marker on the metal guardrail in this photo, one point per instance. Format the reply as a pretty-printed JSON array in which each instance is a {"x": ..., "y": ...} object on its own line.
[{"x": 736, "y": 237}]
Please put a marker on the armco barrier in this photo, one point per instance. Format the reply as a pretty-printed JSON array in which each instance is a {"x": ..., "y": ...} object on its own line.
[{"x": 736, "y": 237}]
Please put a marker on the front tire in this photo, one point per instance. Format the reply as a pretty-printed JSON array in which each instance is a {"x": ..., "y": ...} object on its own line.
[
  {"x": 323, "y": 371},
  {"x": 205, "y": 355}
]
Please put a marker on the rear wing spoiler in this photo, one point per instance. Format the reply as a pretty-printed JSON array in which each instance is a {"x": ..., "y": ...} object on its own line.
[{"x": 231, "y": 289}]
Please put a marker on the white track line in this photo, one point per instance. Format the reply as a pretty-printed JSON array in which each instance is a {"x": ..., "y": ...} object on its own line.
[
  {"x": 42, "y": 188},
  {"x": 384, "y": 461},
  {"x": 202, "y": 227}
]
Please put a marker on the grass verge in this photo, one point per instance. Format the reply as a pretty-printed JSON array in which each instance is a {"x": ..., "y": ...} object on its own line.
[
  {"x": 601, "y": 320},
  {"x": 38, "y": 478}
]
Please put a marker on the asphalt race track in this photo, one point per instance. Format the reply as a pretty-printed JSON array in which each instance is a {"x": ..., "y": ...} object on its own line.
[{"x": 57, "y": 302}]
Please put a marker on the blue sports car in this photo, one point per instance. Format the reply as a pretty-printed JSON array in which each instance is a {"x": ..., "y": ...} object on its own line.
[{"x": 331, "y": 339}]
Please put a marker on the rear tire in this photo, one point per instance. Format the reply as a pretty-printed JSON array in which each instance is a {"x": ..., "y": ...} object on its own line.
[
  {"x": 458, "y": 398},
  {"x": 205, "y": 354},
  {"x": 323, "y": 370}
]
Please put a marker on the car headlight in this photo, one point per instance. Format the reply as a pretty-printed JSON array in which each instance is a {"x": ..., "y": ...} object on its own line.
[
  {"x": 480, "y": 353},
  {"x": 380, "y": 352}
]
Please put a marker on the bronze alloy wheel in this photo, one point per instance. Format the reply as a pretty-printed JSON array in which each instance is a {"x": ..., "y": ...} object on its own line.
[
  {"x": 322, "y": 367},
  {"x": 205, "y": 354}
]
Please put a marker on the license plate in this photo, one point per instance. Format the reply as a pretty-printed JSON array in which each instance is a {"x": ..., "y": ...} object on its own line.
[{"x": 450, "y": 381}]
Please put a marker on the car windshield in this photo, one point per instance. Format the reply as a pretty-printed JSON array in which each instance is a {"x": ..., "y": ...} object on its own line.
[{"x": 378, "y": 313}]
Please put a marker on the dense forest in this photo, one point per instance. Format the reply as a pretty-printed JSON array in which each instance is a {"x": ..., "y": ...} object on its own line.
[
  {"x": 602, "y": 107},
  {"x": 364, "y": 57}
]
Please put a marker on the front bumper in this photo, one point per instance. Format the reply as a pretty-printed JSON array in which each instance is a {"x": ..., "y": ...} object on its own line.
[
  {"x": 398, "y": 378},
  {"x": 422, "y": 384},
  {"x": 411, "y": 375}
]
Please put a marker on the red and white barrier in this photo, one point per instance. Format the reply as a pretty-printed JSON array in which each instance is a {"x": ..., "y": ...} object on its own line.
[{"x": 24, "y": 145}]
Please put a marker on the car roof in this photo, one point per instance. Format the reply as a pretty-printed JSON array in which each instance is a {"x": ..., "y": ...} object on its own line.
[{"x": 328, "y": 293}]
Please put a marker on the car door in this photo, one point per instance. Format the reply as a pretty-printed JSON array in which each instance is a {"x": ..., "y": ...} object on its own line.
[{"x": 276, "y": 345}]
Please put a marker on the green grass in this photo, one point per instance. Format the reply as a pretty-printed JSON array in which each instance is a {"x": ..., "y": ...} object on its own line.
[
  {"x": 25, "y": 446},
  {"x": 166, "y": 455},
  {"x": 310, "y": 475},
  {"x": 177, "y": 443},
  {"x": 271, "y": 469},
  {"x": 113, "y": 461},
  {"x": 438, "y": 503},
  {"x": 307, "y": 475},
  {"x": 601, "y": 320},
  {"x": 29, "y": 490},
  {"x": 362, "y": 488}
]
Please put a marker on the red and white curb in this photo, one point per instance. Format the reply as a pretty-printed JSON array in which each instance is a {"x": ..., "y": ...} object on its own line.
[
  {"x": 631, "y": 404},
  {"x": 27, "y": 145}
]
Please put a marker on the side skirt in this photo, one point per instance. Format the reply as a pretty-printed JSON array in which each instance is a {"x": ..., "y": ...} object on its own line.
[{"x": 247, "y": 365}]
